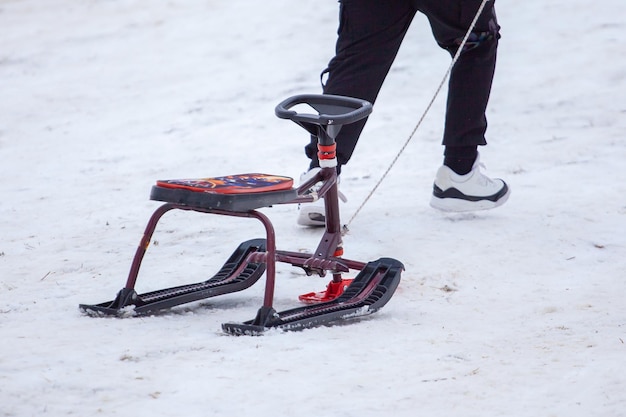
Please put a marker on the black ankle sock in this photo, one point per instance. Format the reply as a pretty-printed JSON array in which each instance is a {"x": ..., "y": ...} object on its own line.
[{"x": 460, "y": 159}]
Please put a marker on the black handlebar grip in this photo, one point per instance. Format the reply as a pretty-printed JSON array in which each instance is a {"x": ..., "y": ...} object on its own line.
[{"x": 332, "y": 109}]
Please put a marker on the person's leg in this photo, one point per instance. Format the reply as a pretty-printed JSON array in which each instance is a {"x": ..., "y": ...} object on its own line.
[
  {"x": 459, "y": 184},
  {"x": 369, "y": 36},
  {"x": 471, "y": 77}
]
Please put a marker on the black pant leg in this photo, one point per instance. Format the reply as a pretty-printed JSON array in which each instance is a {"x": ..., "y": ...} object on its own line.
[
  {"x": 369, "y": 36},
  {"x": 471, "y": 78}
]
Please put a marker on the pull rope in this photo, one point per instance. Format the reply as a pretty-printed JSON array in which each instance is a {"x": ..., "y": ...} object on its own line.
[{"x": 421, "y": 119}]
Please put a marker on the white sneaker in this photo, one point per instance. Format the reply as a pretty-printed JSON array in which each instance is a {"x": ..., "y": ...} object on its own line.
[
  {"x": 313, "y": 214},
  {"x": 469, "y": 192}
]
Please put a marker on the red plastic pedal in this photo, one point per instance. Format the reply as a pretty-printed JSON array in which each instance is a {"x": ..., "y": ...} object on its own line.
[{"x": 333, "y": 290}]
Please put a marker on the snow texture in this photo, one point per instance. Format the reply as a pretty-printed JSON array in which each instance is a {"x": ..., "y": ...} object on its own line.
[{"x": 517, "y": 311}]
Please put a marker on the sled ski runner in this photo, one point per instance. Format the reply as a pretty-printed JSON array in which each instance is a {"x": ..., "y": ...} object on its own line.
[
  {"x": 241, "y": 195},
  {"x": 365, "y": 295},
  {"x": 237, "y": 274}
]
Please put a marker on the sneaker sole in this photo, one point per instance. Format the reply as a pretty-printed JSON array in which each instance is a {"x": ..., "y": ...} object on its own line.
[
  {"x": 311, "y": 217},
  {"x": 459, "y": 205}
]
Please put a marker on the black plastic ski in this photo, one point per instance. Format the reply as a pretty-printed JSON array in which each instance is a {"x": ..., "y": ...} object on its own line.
[
  {"x": 369, "y": 291},
  {"x": 235, "y": 275}
]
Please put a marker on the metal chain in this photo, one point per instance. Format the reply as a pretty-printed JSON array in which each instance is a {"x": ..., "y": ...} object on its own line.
[{"x": 430, "y": 104}]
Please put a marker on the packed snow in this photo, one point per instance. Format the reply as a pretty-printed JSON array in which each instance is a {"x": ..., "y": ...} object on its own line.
[{"x": 519, "y": 311}]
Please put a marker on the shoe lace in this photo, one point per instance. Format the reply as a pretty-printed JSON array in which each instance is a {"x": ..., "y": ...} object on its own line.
[
  {"x": 315, "y": 188},
  {"x": 342, "y": 196},
  {"x": 482, "y": 178}
]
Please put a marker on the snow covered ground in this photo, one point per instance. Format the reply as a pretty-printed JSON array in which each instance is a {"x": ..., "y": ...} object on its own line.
[{"x": 513, "y": 312}]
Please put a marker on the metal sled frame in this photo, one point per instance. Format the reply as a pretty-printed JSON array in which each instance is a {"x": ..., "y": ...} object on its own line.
[{"x": 366, "y": 293}]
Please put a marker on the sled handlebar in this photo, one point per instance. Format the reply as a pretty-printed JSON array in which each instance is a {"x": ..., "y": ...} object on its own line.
[{"x": 331, "y": 109}]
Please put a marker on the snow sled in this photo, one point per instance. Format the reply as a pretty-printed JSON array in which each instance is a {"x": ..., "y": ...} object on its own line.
[{"x": 241, "y": 195}]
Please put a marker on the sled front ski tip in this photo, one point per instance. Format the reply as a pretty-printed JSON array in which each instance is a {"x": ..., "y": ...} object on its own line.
[{"x": 370, "y": 290}]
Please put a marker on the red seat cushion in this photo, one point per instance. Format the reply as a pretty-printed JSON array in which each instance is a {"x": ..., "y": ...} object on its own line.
[{"x": 232, "y": 184}]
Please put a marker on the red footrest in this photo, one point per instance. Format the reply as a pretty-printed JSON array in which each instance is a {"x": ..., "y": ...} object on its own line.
[{"x": 333, "y": 290}]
